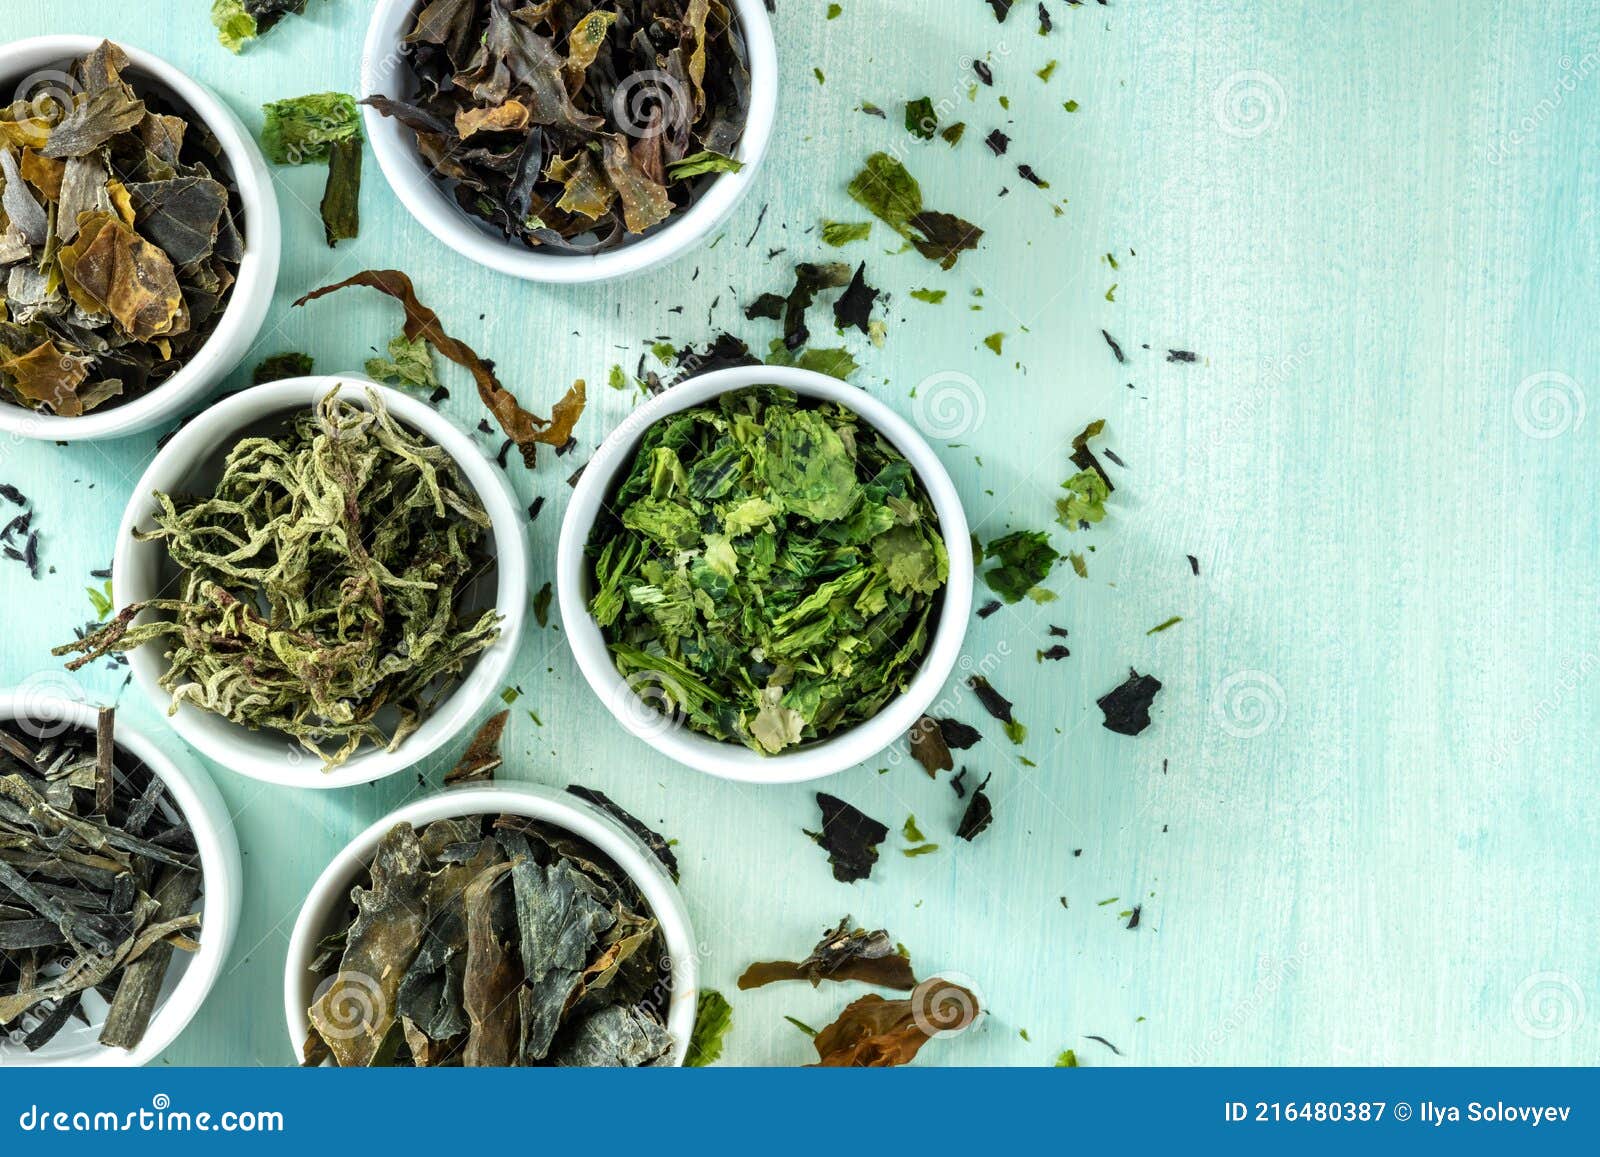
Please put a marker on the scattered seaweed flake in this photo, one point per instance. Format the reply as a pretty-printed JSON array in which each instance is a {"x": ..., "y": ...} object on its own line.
[
  {"x": 979, "y": 813},
  {"x": 998, "y": 142},
  {"x": 1181, "y": 356},
  {"x": 845, "y": 952},
  {"x": 850, "y": 837},
  {"x": 1102, "y": 1040},
  {"x": 1115, "y": 348},
  {"x": 1159, "y": 627},
  {"x": 988, "y": 608},
  {"x": 1127, "y": 706},
  {"x": 957, "y": 735},
  {"x": 713, "y": 1018},
  {"x": 928, "y": 746},
  {"x": 1194, "y": 563}
]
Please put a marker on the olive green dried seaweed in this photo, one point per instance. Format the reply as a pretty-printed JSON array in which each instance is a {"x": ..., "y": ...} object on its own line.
[
  {"x": 768, "y": 569},
  {"x": 322, "y": 584},
  {"x": 98, "y": 876},
  {"x": 492, "y": 940}
]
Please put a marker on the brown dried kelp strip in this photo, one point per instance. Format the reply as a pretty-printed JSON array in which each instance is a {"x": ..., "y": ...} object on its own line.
[
  {"x": 526, "y": 429},
  {"x": 77, "y": 853},
  {"x": 876, "y": 1033},
  {"x": 843, "y": 953},
  {"x": 323, "y": 584},
  {"x": 928, "y": 745}
]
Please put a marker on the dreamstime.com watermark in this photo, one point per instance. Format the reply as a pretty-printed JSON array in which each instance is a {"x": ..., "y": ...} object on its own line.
[
  {"x": 159, "y": 1117},
  {"x": 1272, "y": 974}
]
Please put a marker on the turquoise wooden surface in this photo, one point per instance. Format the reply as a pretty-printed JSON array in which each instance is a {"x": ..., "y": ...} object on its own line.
[{"x": 1362, "y": 827}]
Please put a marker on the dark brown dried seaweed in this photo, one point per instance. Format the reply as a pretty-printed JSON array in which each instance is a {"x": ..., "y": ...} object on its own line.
[
  {"x": 1127, "y": 706},
  {"x": 571, "y": 128},
  {"x": 843, "y": 953}
]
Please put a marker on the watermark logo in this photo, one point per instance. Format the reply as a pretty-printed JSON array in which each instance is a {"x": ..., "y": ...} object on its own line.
[
  {"x": 1548, "y": 1005},
  {"x": 949, "y": 404},
  {"x": 1249, "y": 104},
  {"x": 649, "y": 103},
  {"x": 1548, "y": 404},
  {"x": 946, "y": 1005},
  {"x": 1248, "y": 704}
]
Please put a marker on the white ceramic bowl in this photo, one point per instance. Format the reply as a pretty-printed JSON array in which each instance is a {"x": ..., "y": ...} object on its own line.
[
  {"x": 733, "y": 760},
  {"x": 330, "y": 895},
  {"x": 194, "y": 456},
  {"x": 384, "y": 73},
  {"x": 41, "y": 60},
  {"x": 191, "y": 975}
]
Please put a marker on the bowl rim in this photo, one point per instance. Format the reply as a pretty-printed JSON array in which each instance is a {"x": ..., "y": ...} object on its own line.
[
  {"x": 220, "y": 866},
  {"x": 536, "y": 801},
  {"x": 426, "y": 201},
  {"x": 253, "y": 287},
  {"x": 223, "y": 421},
  {"x": 729, "y": 760}
]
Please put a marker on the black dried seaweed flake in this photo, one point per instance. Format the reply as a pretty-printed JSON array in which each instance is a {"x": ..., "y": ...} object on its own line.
[{"x": 850, "y": 837}]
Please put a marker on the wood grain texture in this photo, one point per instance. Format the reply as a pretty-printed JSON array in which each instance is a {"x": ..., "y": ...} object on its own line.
[{"x": 1362, "y": 828}]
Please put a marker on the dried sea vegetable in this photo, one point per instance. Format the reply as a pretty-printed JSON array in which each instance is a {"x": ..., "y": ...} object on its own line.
[
  {"x": 713, "y": 1018},
  {"x": 1127, "y": 706},
  {"x": 324, "y": 584},
  {"x": 886, "y": 190},
  {"x": 1023, "y": 560},
  {"x": 844, "y": 953},
  {"x": 240, "y": 21},
  {"x": 876, "y": 1033},
  {"x": 525, "y": 429},
  {"x": 99, "y": 876},
  {"x": 850, "y": 837},
  {"x": 767, "y": 569},
  {"x": 572, "y": 127},
  {"x": 492, "y": 941},
  {"x": 321, "y": 127},
  {"x": 929, "y": 747},
  {"x": 121, "y": 240}
]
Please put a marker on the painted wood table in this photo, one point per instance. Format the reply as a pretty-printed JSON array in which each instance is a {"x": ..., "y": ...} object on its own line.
[{"x": 1362, "y": 828}]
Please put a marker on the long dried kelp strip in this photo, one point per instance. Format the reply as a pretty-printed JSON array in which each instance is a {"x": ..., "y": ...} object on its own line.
[
  {"x": 843, "y": 953},
  {"x": 140, "y": 987},
  {"x": 74, "y": 911},
  {"x": 526, "y": 429},
  {"x": 324, "y": 583}
]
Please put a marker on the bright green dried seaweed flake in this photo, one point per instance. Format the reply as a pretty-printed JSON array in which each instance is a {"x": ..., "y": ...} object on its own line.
[
  {"x": 410, "y": 363},
  {"x": 303, "y": 129},
  {"x": 886, "y": 190},
  {"x": 1024, "y": 559},
  {"x": 767, "y": 570},
  {"x": 837, "y": 233},
  {"x": 323, "y": 584},
  {"x": 713, "y": 1017}
]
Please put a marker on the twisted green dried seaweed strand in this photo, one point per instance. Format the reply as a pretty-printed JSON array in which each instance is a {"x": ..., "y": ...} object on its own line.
[{"x": 320, "y": 584}]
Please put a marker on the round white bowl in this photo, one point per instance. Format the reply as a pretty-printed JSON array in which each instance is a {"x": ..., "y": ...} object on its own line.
[
  {"x": 137, "y": 571},
  {"x": 383, "y": 73},
  {"x": 671, "y": 737},
  {"x": 191, "y": 975},
  {"x": 330, "y": 895},
  {"x": 247, "y": 306}
]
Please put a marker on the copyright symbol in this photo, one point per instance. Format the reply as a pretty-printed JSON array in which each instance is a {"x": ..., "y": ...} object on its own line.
[{"x": 1402, "y": 1112}]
